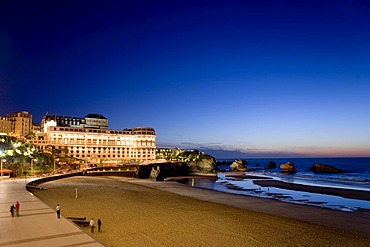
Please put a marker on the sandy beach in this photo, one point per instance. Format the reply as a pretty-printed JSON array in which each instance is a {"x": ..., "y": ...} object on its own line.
[{"x": 134, "y": 214}]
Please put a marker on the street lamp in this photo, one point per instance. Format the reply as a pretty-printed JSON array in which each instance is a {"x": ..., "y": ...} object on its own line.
[
  {"x": 1, "y": 161},
  {"x": 31, "y": 165},
  {"x": 32, "y": 160},
  {"x": 54, "y": 162}
]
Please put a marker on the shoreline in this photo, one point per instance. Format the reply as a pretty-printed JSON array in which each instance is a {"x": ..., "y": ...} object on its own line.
[
  {"x": 143, "y": 212},
  {"x": 265, "y": 181},
  {"x": 346, "y": 193}
]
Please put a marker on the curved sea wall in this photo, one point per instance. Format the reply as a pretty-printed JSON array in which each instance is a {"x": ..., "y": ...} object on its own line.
[{"x": 35, "y": 184}]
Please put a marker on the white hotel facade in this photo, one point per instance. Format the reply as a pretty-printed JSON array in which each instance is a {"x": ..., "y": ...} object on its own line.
[{"x": 97, "y": 144}]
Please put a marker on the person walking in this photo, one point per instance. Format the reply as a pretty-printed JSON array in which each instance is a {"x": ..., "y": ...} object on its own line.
[
  {"x": 99, "y": 225},
  {"x": 92, "y": 225},
  {"x": 58, "y": 211},
  {"x": 17, "y": 208},
  {"x": 12, "y": 208}
]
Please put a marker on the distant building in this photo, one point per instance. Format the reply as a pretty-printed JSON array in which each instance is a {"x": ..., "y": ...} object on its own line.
[
  {"x": 5, "y": 126},
  {"x": 96, "y": 121},
  {"x": 36, "y": 128},
  {"x": 21, "y": 123},
  {"x": 61, "y": 121}
]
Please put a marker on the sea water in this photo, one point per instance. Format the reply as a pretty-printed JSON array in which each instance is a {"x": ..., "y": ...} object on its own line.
[
  {"x": 356, "y": 176},
  {"x": 356, "y": 173}
]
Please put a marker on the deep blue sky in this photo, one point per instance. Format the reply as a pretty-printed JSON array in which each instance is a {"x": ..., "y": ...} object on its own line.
[{"x": 242, "y": 78}]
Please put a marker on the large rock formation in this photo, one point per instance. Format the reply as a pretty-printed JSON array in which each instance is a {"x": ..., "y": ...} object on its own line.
[
  {"x": 321, "y": 168},
  {"x": 155, "y": 174},
  {"x": 159, "y": 171},
  {"x": 197, "y": 162},
  {"x": 271, "y": 165},
  {"x": 238, "y": 166},
  {"x": 203, "y": 163},
  {"x": 288, "y": 167}
]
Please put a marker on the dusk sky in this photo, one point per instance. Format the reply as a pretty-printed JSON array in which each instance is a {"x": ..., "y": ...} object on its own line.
[{"x": 234, "y": 78}]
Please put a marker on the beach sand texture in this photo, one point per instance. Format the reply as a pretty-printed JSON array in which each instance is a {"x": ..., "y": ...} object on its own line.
[{"x": 135, "y": 215}]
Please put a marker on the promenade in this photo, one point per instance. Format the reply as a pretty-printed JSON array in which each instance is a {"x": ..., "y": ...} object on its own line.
[{"x": 37, "y": 224}]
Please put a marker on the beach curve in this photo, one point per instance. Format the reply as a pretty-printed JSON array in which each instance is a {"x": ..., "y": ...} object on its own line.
[{"x": 135, "y": 214}]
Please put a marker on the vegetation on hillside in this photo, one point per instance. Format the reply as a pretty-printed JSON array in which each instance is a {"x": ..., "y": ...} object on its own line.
[
  {"x": 177, "y": 154},
  {"x": 23, "y": 158}
]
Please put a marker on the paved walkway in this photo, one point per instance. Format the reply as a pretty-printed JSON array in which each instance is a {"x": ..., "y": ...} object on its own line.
[{"x": 37, "y": 224}]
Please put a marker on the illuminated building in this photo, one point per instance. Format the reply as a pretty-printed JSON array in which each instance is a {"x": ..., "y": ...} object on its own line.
[
  {"x": 5, "y": 125},
  {"x": 90, "y": 140},
  {"x": 21, "y": 123}
]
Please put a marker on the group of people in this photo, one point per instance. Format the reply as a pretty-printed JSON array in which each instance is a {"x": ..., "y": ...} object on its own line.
[
  {"x": 14, "y": 209},
  {"x": 92, "y": 225}
]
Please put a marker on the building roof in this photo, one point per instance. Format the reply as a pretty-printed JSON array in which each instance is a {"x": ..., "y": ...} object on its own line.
[{"x": 92, "y": 115}]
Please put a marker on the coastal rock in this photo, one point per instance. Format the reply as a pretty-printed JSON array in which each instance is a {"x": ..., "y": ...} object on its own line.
[
  {"x": 155, "y": 174},
  {"x": 271, "y": 165},
  {"x": 160, "y": 171},
  {"x": 321, "y": 168},
  {"x": 239, "y": 165},
  {"x": 288, "y": 167},
  {"x": 204, "y": 163}
]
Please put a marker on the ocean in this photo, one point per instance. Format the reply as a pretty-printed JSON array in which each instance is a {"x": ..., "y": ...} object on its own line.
[{"x": 356, "y": 176}]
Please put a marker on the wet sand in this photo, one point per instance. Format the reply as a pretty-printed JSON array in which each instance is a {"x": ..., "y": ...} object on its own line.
[
  {"x": 137, "y": 215},
  {"x": 347, "y": 193}
]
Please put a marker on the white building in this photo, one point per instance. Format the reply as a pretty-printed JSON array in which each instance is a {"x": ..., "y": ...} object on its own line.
[{"x": 101, "y": 146}]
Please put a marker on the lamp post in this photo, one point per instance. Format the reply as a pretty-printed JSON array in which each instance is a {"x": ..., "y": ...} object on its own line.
[
  {"x": 54, "y": 162},
  {"x": 31, "y": 166},
  {"x": 1, "y": 161}
]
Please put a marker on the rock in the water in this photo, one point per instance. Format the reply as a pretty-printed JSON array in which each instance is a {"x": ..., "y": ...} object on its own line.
[
  {"x": 202, "y": 163},
  {"x": 288, "y": 167},
  {"x": 238, "y": 165},
  {"x": 271, "y": 165},
  {"x": 321, "y": 168}
]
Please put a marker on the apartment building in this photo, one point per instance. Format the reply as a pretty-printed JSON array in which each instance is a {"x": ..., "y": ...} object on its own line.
[
  {"x": 21, "y": 123},
  {"x": 5, "y": 126}
]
